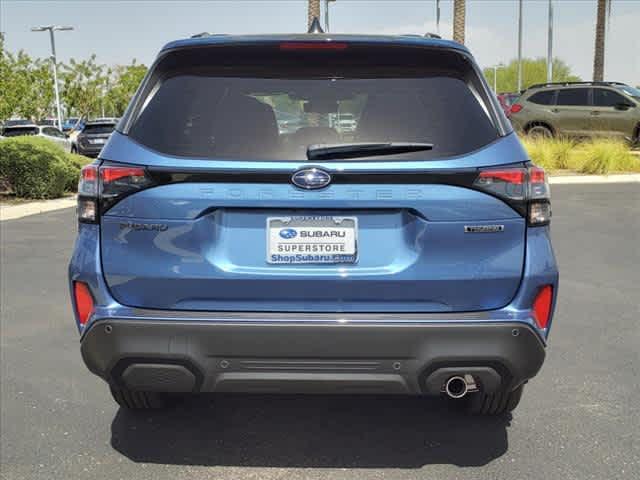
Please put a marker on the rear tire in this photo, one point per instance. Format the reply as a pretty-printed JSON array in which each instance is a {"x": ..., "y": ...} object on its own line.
[
  {"x": 497, "y": 403},
  {"x": 540, "y": 131},
  {"x": 133, "y": 400}
]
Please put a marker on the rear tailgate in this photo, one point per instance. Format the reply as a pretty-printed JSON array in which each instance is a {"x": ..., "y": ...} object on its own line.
[{"x": 420, "y": 240}]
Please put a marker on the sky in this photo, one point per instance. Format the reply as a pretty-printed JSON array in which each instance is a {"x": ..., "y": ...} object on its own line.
[{"x": 118, "y": 31}]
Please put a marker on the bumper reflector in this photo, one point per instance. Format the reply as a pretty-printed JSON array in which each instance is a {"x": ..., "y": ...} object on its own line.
[
  {"x": 84, "y": 302},
  {"x": 542, "y": 306}
]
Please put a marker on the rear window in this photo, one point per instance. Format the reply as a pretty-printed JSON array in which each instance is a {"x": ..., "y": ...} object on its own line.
[
  {"x": 98, "y": 128},
  {"x": 20, "y": 131},
  {"x": 272, "y": 106},
  {"x": 543, "y": 98}
]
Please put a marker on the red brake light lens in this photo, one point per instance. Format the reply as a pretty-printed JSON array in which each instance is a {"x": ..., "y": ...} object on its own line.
[
  {"x": 542, "y": 306},
  {"x": 84, "y": 302},
  {"x": 313, "y": 46},
  {"x": 515, "y": 108},
  {"x": 111, "y": 174},
  {"x": 512, "y": 175}
]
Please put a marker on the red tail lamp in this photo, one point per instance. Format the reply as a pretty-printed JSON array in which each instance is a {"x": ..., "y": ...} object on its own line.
[
  {"x": 542, "y": 306},
  {"x": 84, "y": 302}
]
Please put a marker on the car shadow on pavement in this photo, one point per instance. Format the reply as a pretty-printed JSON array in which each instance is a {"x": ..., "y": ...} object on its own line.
[{"x": 310, "y": 431}]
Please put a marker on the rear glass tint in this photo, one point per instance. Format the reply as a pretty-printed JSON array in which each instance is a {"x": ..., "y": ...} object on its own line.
[
  {"x": 274, "y": 112},
  {"x": 98, "y": 128},
  {"x": 20, "y": 131},
  {"x": 543, "y": 98},
  {"x": 577, "y": 97}
]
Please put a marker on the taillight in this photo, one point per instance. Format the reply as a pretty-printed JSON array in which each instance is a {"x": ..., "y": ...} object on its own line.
[
  {"x": 542, "y": 306},
  {"x": 84, "y": 302},
  {"x": 101, "y": 187},
  {"x": 525, "y": 189},
  {"x": 88, "y": 194},
  {"x": 515, "y": 108}
]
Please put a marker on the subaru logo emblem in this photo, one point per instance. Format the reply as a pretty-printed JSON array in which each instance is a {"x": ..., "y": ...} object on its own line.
[
  {"x": 311, "y": 178},
  {"x": 288, "y": 233}
]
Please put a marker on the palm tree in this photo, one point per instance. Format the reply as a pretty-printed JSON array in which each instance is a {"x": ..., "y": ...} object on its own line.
[
  {"x": 458, "y": 20},
  {"x": 313, "y": 11},
  {"x": 598, "y": 57}
]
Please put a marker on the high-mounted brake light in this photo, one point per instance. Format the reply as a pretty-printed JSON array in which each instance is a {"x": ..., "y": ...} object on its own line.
[
  {"x": 542, "y": 306},
  {"x": 525, "y": 189},
  {"x": 313, "y": 46},
  {"x": 101, "y": 187},
  {"x": 83, "y": 302}
]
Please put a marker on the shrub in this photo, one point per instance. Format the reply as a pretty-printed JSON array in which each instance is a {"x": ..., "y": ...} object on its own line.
[
  {"x": 74, "y": 163},
  {"x": 598, "y": 156},
  {"x": 550, "y": 154},
  {"x": 604, "y": 156},
  {"x": 37, "y": 168}
]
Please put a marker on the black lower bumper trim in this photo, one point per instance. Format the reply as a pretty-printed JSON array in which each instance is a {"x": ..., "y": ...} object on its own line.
[{"x": 161, "y": 355}]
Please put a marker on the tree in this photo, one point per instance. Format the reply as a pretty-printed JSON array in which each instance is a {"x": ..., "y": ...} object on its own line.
[
  {"x": 598, "y": 57},
  {"x": 9, "y": 99},
  {"x": 313, "y": 11},
  {"x": 459, "y": 10},
  {"x": 83, "y": 86},
  {"x": 122, "y": 84},
  {"x": 26, "y": 86},
  {"x": 533, "y": 71}
]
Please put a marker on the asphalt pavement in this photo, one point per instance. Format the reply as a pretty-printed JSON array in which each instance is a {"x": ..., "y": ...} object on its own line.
[{"x": 579, "y": 419}]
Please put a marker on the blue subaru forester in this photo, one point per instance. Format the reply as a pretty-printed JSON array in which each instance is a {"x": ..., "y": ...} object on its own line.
[{"x": 314, "y": 213}]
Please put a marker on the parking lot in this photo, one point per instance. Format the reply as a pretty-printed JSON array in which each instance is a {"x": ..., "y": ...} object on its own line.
[{"x": 579, "y": 419}]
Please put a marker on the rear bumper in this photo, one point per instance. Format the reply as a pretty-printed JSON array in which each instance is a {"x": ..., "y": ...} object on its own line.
[{"x": 320, "y": 353}]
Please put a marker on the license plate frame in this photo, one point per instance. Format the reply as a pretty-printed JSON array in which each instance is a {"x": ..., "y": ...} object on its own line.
[{"x": 312, "y": 240}]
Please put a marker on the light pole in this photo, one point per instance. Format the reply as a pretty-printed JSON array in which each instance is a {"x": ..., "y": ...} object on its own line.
[
  {"x": 550, "y": 45},
  {"x": 438, "y": 17},
  {"x": 495, "y": 76},
  {"x": 519, "y": 46},
  {"x": 51, "y": 29},
  {"x": 326, "y": 14}
]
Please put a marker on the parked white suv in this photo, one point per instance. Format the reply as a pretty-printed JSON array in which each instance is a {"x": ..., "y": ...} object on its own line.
[{"x": 45, "y": 131}]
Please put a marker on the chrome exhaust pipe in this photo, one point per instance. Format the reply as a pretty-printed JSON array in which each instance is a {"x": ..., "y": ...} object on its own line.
[{"x": 458, "y": 386}]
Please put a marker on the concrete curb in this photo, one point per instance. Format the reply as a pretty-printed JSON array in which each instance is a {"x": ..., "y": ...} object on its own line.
[
  {"x": 11, "y": 212},
  {"x": 582, "y": 179}
]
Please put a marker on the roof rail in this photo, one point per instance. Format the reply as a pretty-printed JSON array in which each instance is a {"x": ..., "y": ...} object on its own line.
[
  {"x": 562, "y": 84},
  {"x": 201, "y": 35},
  {"x": 432, "y": 35}
]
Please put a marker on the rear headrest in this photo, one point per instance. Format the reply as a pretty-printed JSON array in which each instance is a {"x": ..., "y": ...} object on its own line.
[{"x": 244, "y": 127}]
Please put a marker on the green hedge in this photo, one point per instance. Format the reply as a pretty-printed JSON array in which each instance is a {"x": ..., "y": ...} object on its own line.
[{"x": 35, "y": 167}]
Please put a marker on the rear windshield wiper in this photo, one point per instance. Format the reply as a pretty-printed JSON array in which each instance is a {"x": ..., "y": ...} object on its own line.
[{"x": 356, "y": 150}]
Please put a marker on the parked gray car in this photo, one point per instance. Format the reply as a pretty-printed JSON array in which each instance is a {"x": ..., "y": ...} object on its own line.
[
  {"x": 93, "y": 137},
  {"x": 585, "y": 109}
]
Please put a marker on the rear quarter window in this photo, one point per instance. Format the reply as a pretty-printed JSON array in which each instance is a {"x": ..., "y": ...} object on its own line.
[{"x": 274, "y": 112}]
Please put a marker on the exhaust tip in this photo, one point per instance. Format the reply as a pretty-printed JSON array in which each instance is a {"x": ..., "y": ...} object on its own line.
[{"x": 456, "y": 387}]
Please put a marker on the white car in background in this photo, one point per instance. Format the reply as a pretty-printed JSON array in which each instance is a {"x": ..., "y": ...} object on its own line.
[{"x": 44, "y": 131}]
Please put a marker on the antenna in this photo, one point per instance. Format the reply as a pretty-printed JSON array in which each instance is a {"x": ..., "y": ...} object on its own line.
[{"x": 315, "y": 26}]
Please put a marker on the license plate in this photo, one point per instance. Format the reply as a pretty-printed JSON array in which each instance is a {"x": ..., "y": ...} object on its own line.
[
  {"x": 299, "y": 240},
  {"x": 97, "y": 141}
]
